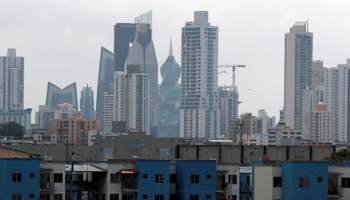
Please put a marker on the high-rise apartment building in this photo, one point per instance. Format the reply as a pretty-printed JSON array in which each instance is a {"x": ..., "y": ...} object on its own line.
[
  {"x": 132, "y": 99},
  {"x": 228, "y": 105},
  {"x": 108, "y": 110},
  {"x": 336, "y": 95},
  {"x": 105, "y": 78},
  {"x": 297, "y": 71},
  {"x": 320, "y": 124},
  {"x": 266, "y": 121},
  {"x": 87, "y": 103},
  {"x": 11, "y": 81},
  {"x": 56, "y": 95},
  {"x": 169, "y": 98},
  {"x": 199, "y": 106}
]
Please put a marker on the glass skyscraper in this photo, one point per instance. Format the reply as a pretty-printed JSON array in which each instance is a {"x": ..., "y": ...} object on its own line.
[
  {"x": 297, "y": 72},
  {"x": 87, "y": 103},
  {"x": 169, "y": 99},
  {"x": 199, "y": 109},
  {"x": 56, "y": 95},
  {"x": 105, "y": 78}
]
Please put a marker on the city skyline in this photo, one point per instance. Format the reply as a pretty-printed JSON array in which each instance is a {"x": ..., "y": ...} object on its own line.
[{"x": 258, "y": 43}]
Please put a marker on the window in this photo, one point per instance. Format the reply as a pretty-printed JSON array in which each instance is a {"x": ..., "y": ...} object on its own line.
[
  {"x": 304, "y": 182},
  {"x": 172, "y": 197},
  {"x": 144, "y": 196},
  {"x": 144, "y": 176},
  {"x": 16, "y": 177},
  {"x": 208, "y": 176},
  {"x": 31, "y": 175},
  {"x": 114, "y": 178},
  {"x": 208, "y": 196},
  {"x": 233, "y": 197},
  {"x": 345, "y": 182},
  {"x": 159, "y": 197},
  {"x": 31, "y": 196},
  {"x": 172, "y": 178},
  {"x": 277, "y": 181},
  {"x": 16, "y": 197},
  {"x": 57, "y": 177},
  {"x": 319, "y": 179},
  {"x": 57, "y": 197},
  {"x": 232, "y": 179},
  {"x": 194, "y": 197},
  {"x": 114, "y": 196},
  {"x": 194, "y": 178},
  {"x": 159, "y": 178}
]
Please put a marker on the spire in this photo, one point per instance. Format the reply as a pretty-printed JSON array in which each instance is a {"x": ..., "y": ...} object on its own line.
[{"x": 171, "y": 48}]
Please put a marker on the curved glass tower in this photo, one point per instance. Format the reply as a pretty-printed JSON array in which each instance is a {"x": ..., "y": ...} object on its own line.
[
  {"x": 169, "y": 110},
  {"x": 56, "y": 95}
]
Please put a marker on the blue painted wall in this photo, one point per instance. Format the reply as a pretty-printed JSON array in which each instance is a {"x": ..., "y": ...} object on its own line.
[
  {"x": 292, "y": 171},
  {"x": 184, "y": 170},
  {"x": 28, "y": 185},
  {"x": 148, "y": 186}
]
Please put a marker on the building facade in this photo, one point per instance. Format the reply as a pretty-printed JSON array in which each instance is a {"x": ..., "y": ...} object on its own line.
[
  {"x": 320, "y": 124},
  {"x": 72, "y": 130},
  {"x": 297, "y": 71},
  {"x": 199, "y": 106}
]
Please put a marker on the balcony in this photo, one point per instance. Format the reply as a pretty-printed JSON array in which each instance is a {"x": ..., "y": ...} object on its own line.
[{"x": 335, "y": 192}]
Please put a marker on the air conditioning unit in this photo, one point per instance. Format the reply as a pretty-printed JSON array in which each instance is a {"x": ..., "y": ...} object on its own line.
[{"x": 87, "y": 176}]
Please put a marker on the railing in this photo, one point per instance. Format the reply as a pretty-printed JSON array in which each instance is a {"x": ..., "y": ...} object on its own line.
[
  {"x": 129, "y": 184},
  {"x": 244, "y": 187},
  {"x": 46, "y": 185},
  {"x": 335, "y": 191}
]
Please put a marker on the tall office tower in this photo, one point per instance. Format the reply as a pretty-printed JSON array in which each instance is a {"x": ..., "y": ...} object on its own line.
[
  {"x": 169, "y": 99},
  {"x": 320, "y": 124},
  {"x": 132, "y": 99},
  {"x": 199, "y": 109},
  {"x": 12, "y": 81},
  {"x": 266, "y": 121},
  {"x": 142, "y": 53},
  {"x": 228, "y": 105},
  {"x": 56, "y": 95},
  {"x": 105, "y": 78},
  {"x": 87, "y": 103},
  {"x": 336, "y": 90},
  {"x": 108, "y": 109},
  {"x": 310, "y": 98},
  {"x": 145, "y": 18},
  {"x": 297, "y": 71}
]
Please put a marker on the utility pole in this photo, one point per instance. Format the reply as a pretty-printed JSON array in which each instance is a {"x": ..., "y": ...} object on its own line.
[{"x": 72, "y": 175}]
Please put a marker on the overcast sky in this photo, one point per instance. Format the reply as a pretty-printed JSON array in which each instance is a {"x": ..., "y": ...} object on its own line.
[{"x": 61, "y": 39}]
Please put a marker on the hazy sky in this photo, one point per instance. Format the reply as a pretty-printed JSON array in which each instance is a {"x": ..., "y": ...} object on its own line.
[{"x": 61, "y": 39}]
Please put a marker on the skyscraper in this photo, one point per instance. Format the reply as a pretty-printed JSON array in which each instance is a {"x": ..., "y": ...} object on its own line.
[
  {"x": 87, "y": 103},
  {"x": 56, "y": 95},
  {"x": 11, "y": 81},
  {"x": 199, "y": 109},
  {"x": 297, "y": 71},
  {"x": 228, "y": 105},
  {"x": 132, "y": 99},
  {"x": 142, "y": 53},
  {"x": 105, "y": 78},
  {"x": 169, "y": 99}
]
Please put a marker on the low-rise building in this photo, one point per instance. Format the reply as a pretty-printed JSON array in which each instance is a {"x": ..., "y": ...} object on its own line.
[{"x": 283, "y": 131}]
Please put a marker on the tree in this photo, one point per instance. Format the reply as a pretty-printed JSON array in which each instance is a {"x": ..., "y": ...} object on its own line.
[
  {"x": 12, "y": 129},
  {"x": 339, "y": 156}
]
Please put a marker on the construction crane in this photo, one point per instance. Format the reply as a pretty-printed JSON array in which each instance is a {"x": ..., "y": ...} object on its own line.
[
  {"x": 222, "y": 72},
  {"x": 233, "y": 71}
]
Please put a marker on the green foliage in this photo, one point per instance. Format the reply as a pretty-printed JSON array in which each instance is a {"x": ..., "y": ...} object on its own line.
[
  {"x": 12, "y": 129},
  {"x": 339, "y": 156}
]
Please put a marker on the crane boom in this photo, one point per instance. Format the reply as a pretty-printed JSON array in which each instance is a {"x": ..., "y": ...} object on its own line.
[{"x": 233, "y": 71}]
